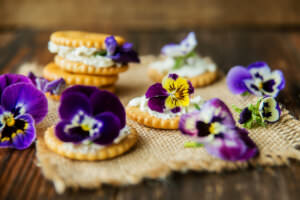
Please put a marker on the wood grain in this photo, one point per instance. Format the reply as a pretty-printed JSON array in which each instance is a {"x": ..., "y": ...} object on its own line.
[
  {"x": 148, "y": 14},
  {"x": 20, "y": 178}
]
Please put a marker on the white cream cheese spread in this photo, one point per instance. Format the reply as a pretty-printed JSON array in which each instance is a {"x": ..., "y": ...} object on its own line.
[
  {"x": 193, "y": 66},
  {"x": 142, "y": 103},
  {"x": 86, "y": 147},
  {"x": 81, "y": 54}
]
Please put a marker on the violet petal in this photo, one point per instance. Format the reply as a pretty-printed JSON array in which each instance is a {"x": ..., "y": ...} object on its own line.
[
  {"x": 9, "y": 79},
  {"x": 239, "y": 148},
  {"x": 104, "y": 101},
  {"x": 156, "y": 90},
  {"x": 110, "y": 129},
  {"x": 74, "y": 135},
  {"x": 111, "y": 45},
  {"x": 72, "y": 103},
  {"x": 25, "y": 98},
  {"x": 56, "y": 86},
  {"x": 235, "y": 79},
  {"x": 218, "y": 110},
  {"x": 188, "y": 123},
  {"x": 85, "y": 90},
  {"x": 24, "y": 140},
  {"x": 157, "y": 103},
  {"x": 245, "y": 115}
]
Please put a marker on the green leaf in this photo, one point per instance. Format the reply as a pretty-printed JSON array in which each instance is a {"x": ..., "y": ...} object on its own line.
[
  {"x": 193, "y": 145},
  {"x": 197, "y": 106},
  {"x": 100, "y": 53},
  {"x": 237, "y": 109},
  {"x": 245, "y": 93},
  {"x": 179, "y": 61}
]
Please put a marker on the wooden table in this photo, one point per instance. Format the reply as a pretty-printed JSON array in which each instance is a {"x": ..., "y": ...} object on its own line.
[{"x": 21, "y": 178}]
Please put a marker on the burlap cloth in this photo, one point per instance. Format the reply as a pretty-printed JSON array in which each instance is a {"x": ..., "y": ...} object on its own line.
[{"x": 158, "y": 152}]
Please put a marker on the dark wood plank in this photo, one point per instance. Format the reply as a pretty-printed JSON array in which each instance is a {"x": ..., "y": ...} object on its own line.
[
  {"x": 20, "y": 178},
  {"x": 148, "y": 14}
]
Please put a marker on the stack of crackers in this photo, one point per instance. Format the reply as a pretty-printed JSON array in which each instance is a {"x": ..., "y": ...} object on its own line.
[{"x": 75, "y": 53}]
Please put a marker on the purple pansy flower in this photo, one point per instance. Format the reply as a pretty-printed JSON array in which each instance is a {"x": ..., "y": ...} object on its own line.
[
  {"x": 257, "y": 79},
  {"x": 186, "y": 46},
  {"x": 120, "y": 53},
  {"x": 88, "y": 114},
  {"x": 214, "y": 127},
  {"x": 22, "y": 105},
  {"x": 172, "y": 94},
  {"x": 53, "y": 87}
]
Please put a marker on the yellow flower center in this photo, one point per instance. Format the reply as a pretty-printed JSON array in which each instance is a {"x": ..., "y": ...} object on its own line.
[
  {"x": 215, "y": 128},
  {"x": 10, "y": 121},
  {"x": 85, "y": 127},
  {"x": 260, "y": 85}
]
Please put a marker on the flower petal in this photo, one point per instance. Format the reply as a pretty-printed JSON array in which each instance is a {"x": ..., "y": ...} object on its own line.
[
  {"x": 72, "y": 103},
  {"x": 238, "y": 148},
  {"x": 26, "y": 97},
  {"x": 156, "y": 90},
  {"x": 9, "y": 79},
  {"x": 110, "y": 129},
  {"x": 56, "y": 86},
  {"x": 125, "y": 54},
  {"x": 187, "y": 45},
  {"x": 191, "y": 88},
  {"x": 24, "y": 140},
  {"x": 81, "y": 89},
  {"x": 258, "y": 68},
  {"x": 269, "y": 109},
  {"x": 157, "y": 103},
  {"x": 104, "y": 101},
  {"x": 245, "y": 115},
  {"x": 235, "y": 79},
  {"x": 216, "y": 110},
  {"x": 111, "y": 45},
  {"x": 188, "y": 123},
  {"x": 74, "y": 135}
]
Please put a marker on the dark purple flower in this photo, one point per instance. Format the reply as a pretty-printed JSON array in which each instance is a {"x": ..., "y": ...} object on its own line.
[
  {"x": 215, "y": 127},
  {"x": 9, "y": 79},
  {"x": 245, "y": 116},
  {"x": 257, "y": 78},
  {"x": 172, "y": 94},
  {"x": 22, "y": 105},
  {"x": 89, "y": 114},
  {"x": 53, "y": 87},
  {"x": 120, "y": 53}
]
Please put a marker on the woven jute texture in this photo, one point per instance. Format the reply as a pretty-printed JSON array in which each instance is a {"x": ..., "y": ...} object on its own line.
[{"x": 158, "y": 152}]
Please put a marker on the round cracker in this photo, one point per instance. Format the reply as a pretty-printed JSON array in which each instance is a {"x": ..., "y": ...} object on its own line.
[
  {"x": 78, "y": 38},
  {"x": 198, "y": 81},
  {"x": 148, "y": 120},
  {"x": 108, "y": 152},
  {"x": 81, "y": 68},
  {"x": 53, "y": 72}
]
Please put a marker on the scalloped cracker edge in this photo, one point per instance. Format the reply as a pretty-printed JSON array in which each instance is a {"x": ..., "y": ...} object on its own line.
[
  {"x": 201, "y": 80},
  {"x": 53, "y": 72},
  {"x": 148, "y": 120},
  {"x": 78, "y": 38},
  {"x": 108, "y": 152}
]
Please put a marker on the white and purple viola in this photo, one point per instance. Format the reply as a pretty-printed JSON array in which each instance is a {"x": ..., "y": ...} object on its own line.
[
  {"x": 257, "y": 79},
  {"x": 214, "y": 127}
]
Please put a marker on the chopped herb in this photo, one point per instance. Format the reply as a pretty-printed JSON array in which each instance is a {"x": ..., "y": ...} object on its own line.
[
  {"x": 100, "y": 53},
  {"x": 193, "y": 145}
]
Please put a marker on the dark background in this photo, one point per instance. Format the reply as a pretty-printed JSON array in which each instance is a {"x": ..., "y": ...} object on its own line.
[{"x": 230, "y": 31}]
